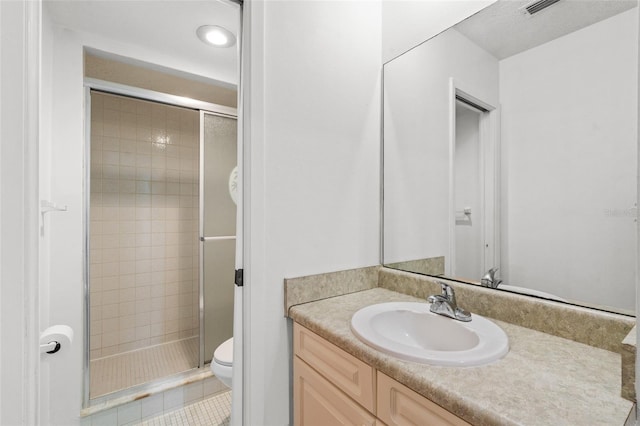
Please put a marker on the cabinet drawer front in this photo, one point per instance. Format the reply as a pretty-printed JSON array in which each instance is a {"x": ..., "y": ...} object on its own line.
[
  {"x": 319, "y": 403},
  {"x": 399, "y": 405},
  {"x": 348, "y": 373}
]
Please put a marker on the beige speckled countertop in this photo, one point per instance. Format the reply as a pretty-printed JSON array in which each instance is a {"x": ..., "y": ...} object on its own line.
[{"x": 543, "y": 380}]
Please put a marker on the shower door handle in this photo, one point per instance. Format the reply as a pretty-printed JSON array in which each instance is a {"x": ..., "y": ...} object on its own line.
[{"x": 224, "y": 238}]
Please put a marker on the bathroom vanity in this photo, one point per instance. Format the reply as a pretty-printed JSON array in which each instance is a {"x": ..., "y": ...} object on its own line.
[
  {"x": 330, "y": 384},
  {"x": 544, "y": 379}
]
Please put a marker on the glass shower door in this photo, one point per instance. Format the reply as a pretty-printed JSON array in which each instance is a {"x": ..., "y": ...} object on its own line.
[{"x": 217, "y": 229}]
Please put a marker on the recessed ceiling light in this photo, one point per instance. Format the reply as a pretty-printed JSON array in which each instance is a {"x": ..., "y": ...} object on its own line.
[{"x": 216, "y": 36}]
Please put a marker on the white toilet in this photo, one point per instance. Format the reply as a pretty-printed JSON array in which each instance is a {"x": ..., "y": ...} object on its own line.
[{"x": 222, "y": 362}]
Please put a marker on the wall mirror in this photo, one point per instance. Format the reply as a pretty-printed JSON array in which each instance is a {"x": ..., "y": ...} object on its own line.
[{"x": 510, "y": 142}]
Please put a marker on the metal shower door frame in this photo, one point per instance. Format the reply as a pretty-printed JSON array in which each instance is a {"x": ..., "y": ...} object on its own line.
[{"x": 147, "y": 95}]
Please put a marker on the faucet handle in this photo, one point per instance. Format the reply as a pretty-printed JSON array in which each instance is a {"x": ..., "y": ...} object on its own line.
[
  {"x": 447, "y": 291},
  {"x": 447, "y": 305},
  {"x": 489, "y": 278},
  {"x": 445, "y": 295}
]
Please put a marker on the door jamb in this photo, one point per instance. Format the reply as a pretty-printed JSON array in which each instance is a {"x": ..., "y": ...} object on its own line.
[{"x": 490, "y": 175}]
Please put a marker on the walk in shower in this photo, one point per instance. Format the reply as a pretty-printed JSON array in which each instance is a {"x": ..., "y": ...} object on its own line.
[{"x": 160, "y": 240}]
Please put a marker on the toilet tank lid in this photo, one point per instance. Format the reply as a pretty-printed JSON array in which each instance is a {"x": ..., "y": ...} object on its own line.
[{"x": 224, "y": 353}]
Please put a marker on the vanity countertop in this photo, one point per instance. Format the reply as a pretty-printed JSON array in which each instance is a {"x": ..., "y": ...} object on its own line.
[{"x": 543, "y": 380}]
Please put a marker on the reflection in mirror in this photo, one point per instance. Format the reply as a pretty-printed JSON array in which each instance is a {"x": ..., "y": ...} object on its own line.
[
  {"x": 468, "y": 216},
  {"x": 510, "y": 146}
]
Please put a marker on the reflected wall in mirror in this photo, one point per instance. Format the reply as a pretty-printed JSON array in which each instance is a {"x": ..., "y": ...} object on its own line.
[{"x": 510, "y": 142}]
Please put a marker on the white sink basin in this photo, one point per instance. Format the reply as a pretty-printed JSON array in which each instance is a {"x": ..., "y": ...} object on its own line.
[{"x": 409, "y": 331}]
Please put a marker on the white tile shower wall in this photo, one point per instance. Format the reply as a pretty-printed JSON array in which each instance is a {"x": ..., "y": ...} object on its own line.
[{"x": 144, "y": 224}]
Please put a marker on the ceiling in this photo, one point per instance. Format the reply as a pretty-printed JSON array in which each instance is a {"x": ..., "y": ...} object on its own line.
[
  {"x": 167, "y": 27},
  {"x": 504, "y": 29}
]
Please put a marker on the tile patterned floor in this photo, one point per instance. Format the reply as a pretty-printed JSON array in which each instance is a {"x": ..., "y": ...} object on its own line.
[
  {"x": 214, "y": 411},
  {"x": 122, "y": 371}
]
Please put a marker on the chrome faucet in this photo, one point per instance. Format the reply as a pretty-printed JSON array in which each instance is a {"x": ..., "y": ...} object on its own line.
[
  {"x": 445, "y": 304},
  {"x": 489, "y": 279}
]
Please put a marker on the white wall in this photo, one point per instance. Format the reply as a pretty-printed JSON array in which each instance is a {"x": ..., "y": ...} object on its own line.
[
  {"x": 314, "y": 171},
  {"x": 416, "y": 140},
  {"x": 570, "y": 136}
]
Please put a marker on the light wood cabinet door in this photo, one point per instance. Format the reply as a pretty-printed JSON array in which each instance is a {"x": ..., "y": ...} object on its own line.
[
  {"x": 399, "y": 405},
  {"x": 319, "y": 403},
  {"x": 354, "y": 377}
]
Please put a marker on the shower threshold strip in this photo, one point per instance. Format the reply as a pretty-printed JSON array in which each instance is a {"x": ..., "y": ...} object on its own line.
[{"x": 145, "y": 390}]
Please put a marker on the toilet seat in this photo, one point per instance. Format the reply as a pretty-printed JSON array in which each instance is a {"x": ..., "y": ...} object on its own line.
[{"x": 223, "y": 354}]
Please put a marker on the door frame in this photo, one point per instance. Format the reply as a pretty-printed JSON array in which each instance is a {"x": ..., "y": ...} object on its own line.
[
  {"x": 153, "y": 96},
  {"x": 19, "y": 217},
  {"x": 489, "y": 139}
]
